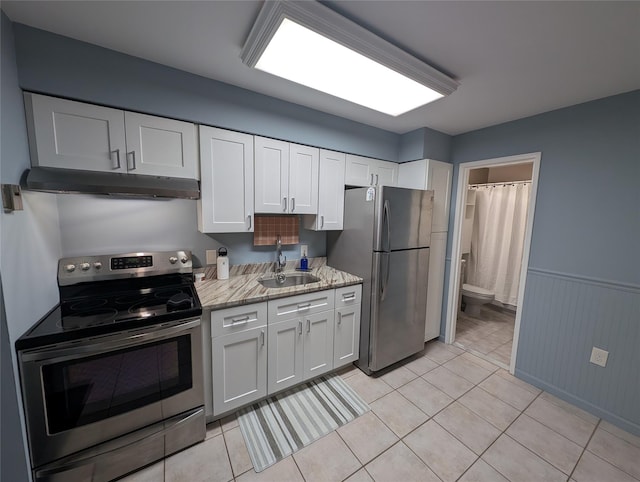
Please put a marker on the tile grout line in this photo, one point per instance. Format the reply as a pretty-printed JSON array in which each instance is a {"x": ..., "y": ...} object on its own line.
[{"x": 584, "y": 449}]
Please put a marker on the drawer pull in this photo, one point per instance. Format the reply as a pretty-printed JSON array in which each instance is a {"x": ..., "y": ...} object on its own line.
[
  {"x": 304, "y": 306},
  {"x": 240, "y": 321},
  {"x": 349, "y": 297}
]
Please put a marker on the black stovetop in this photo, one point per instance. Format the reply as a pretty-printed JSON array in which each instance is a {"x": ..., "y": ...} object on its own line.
[{"x": 98, "y": 308}]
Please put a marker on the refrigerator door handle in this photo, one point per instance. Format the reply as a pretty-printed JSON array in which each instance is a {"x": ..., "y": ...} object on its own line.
[
  {"x": 385, "y": 283},
  {"x": 386, "y": 219}
]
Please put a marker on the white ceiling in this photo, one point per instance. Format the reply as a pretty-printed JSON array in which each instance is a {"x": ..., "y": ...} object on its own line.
[{"x": 512, "y": 59}]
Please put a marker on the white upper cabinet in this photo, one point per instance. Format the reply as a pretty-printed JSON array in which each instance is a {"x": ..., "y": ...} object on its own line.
[
  {"x": 74, "y": 135},
  {"x": 364, "y": 171},
  {"x": 330, "y": 193},
  {"x": 433, "y": 175},
  {"x": 161, "y": 147},
  {"x": 286, "y": 177},
  {"x": 226, "y": 187}
]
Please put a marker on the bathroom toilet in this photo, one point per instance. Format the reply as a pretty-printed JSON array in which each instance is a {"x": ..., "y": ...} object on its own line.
[{"x": 473, "y": 297}]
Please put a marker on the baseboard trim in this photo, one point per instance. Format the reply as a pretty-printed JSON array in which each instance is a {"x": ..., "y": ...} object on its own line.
[{"x": 623, "y": 423}]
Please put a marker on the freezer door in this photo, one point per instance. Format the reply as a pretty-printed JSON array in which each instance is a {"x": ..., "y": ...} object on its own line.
[
  {"x": 398, "y": 306},
  {"x": 402, "y": 218}
]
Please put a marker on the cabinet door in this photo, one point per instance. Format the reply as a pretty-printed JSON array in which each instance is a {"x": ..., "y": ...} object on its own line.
[
  {"x": 331, "y": 191},
  {"x": 346, "y": 336},
  {"x": 239, "y": 369},
  {"x": 161, "y": 147},
  {"x": 271, "y": 176},
  {"x": 385, "y": 173},
  {"x": 358, "y": 171},
  {"x": 285, "y": 367},
  {"x": 226, "y": 187},
  {"x": 435, "y": 285},
  {"x": 318, "y": 343},
  {"x": 74, "y": 135},
  {"x": 439, "y": 180},
  {"x": 303, "y": 179}
]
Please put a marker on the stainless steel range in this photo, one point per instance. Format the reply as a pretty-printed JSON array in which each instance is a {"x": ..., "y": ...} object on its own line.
[{"x": 112, "y": 377}]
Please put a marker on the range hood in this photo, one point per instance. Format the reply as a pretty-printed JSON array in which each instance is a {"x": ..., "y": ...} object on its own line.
[{"x": 56, "y": 180}]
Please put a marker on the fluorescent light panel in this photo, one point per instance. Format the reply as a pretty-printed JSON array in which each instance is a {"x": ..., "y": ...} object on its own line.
[
  {"x": 303, "y": 56},
  {"x": 310, "y": 44}
]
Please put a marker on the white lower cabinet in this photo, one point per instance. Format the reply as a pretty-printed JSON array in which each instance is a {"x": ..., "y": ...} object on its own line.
[
  {"x": 263, "y": 348},
  {"x": 286, "y": 361}
]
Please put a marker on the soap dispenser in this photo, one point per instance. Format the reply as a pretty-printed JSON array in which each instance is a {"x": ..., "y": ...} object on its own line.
[{"x": 304, "y": 262}]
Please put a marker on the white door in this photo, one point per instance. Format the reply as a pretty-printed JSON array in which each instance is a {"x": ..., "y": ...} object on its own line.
[
  {"x": 285, "y": 367},
  {"x": 73, "y": 135},
  {"x": 226, "y": 187},
  {"x": 435, "y": 285},
  {"x": 347, "y": 335},
  {"x": 385, "y": 173},
  {"x": 271, "y": 176},
  {"x": 161, "y": 147},
  {"x": 358, "y": 171},
  {"x": 303, "y": 179},
  {"x": 331, "y": 191},
  {"x": 239, "y": 367},
  {"x": 318, "y": 343},
  {"x": 439, "y": 180}
]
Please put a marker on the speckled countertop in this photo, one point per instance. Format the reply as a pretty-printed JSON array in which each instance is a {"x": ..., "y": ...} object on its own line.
[{"x": 242, "y": 287}]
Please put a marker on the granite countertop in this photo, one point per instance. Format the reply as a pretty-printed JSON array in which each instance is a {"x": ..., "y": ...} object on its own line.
[{"x": 242, "y": 287}]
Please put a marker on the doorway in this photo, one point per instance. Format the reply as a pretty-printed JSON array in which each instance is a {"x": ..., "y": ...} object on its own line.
[{"x": 495, "y": 317}]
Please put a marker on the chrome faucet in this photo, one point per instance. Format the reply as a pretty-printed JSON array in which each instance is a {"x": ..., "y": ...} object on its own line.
[{"x": 281, "y": 260}]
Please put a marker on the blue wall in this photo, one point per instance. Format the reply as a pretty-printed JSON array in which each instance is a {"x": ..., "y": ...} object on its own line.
[
  {"x": 424, "y": 143},
  {"x": 583, "y": 280}
]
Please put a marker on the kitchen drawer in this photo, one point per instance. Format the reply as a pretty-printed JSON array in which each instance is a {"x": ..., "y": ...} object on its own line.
[
  {"x": 238, "y": 318},
  {"x": 300, "y": 305},
  {"x": 348, "y": 296}
]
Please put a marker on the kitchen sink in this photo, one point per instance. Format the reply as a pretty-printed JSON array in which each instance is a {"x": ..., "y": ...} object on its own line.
[{"x": 290, "y": 279}]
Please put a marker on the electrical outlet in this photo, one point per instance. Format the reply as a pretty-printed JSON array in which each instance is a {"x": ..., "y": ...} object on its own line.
[
  {"x": 303, "y": 250},
  {"x": 599, "y": 356},
  {"x": 212, "y": 256}
]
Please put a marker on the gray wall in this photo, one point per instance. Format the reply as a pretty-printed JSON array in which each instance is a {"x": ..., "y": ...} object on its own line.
[
  {"x": 424, "y": 143},
  {"x": 583, "y": 281}
]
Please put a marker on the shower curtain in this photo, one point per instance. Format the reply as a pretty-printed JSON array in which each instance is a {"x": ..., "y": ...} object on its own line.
[{"x": 497, "y": 239}]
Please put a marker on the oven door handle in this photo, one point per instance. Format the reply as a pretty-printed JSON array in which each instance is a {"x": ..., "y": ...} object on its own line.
[{"x": 106, "y": 343}]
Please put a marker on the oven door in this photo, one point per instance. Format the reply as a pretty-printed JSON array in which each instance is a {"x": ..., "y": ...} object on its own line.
[{"x": 80, "y": 394}]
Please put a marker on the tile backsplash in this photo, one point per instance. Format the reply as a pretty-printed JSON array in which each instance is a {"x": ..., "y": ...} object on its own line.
[{"x": 267, "y": 228}]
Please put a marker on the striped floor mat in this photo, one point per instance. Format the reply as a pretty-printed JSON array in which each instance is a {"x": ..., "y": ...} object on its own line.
[{"x": 285, "y": 423}]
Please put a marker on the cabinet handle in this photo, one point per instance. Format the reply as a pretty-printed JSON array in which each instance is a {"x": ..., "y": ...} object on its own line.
[
  {"x": 304, "y": 306},
  {"x": 300, "y": 328},
  {"x": 339, "y": 318},
  {"x": 133, "y": 161},
  {"x": 284, "y": 200},
  {"x": 376, "y": 179},
  {"x": 322, "y": 221},
  {"x": 240, "y": 321},
  {"x": 349, "y": 297},
  {"x": 293, "y": 204},
  {"x": 371, "y": 183},
  {"x": 308, "y": 326},
  {"x": 249, "y": 218},
  {"x": 262, "y": 337},
  {"x": 118, "y": 165}
]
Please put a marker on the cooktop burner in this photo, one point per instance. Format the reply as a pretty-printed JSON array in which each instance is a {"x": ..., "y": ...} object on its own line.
[{"x": 105, "y": 294}]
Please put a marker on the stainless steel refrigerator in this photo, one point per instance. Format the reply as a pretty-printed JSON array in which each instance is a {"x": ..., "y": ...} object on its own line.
[{"x": 385, "y": 240}]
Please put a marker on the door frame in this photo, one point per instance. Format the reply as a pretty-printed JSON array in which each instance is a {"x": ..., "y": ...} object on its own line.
[{"x": 456, "y": 242}]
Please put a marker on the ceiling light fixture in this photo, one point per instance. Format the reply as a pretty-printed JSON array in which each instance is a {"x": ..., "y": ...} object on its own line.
[{"x": 310, "y": 44}]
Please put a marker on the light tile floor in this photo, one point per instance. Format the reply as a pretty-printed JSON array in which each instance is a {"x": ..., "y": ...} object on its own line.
[
  {"x": 489, "y": 335},
  {"x": 443, "y": 415}
]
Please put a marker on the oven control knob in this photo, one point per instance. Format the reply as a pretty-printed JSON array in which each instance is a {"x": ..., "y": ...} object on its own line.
[
  {"x": 85, "y": 266},
  {"x": 183, "y": 259},
  {"x": 173, "y": 260},
  {"x": 97, "y": 265},
  {"x": 70, "y": 268}
]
